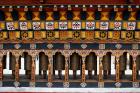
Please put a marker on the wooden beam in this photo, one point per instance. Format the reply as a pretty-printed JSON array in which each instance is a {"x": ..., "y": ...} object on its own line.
[{"x": 41, "y": 1}]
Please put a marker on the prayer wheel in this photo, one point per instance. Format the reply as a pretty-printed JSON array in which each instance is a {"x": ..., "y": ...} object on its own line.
[
  {"x": 75, "y": 63},
  {"x": 43, "y": 64},
  {"x": 59, "y": 63},
  {"x": 91, "y": 64},
  {"x": 122, "y": 64},
  {"x": 106, "y": 64},
  {"x": 4, "y": 62},
  {"x": 12, "y": 63},
  {"x": 138, "y": 63},
  {"x": 28, "y": 64}
]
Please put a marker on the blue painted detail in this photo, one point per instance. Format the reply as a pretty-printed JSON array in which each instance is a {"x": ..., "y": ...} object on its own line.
[
  {"x": 93, "y": 46},
  {"x": 75, "y": 46},
  {"x": 110, "y": 46},
  {"x": 41, "y": 46},
  {"x": 25, "y": 46},
  {"x": 56, "y": 15},
  {"x": 2, "y": 15},
  {"x": 58, "y": 46},
  {"x": 126, "y": 46},
  {"x": 15, "y": 15},
  {"x": 29, "y": 15},
  {"x": 8, "y": 46},
  {"x": 69, "y": 15},
  {"x": 83, "y": 15}
]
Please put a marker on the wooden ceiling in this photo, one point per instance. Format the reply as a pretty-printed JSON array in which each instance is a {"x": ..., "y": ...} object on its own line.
[{"x": 37, "y": 2}]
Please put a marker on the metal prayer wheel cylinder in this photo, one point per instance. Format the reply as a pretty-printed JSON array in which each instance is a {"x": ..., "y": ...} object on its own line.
[
  {"x": 59, "y": 61},
  {"x": 122, "y": 62},
  {"x": 91, "y": 62},
  {"x": 131, "y": 62},
  {"x": 28, "y": 62},
  {"x": 75, "y": 61},
  {"x": 19, "y": 62},
  {"x": 43, "y": 62},
  {"x": 4, "y": 62},
  {"x": 106, "y": 62},
  {"x": 12, "y": 62}
]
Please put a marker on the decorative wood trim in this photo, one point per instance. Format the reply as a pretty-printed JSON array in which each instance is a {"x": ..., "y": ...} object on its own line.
[{"x": 100, "y": 70}]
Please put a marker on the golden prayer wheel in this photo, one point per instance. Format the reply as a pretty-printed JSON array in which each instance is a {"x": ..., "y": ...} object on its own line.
[
  {"x": 75, "y": 63},
  {"x": 91, "y": 64}
]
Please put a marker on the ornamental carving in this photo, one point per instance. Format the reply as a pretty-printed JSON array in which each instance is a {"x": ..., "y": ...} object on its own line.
[
  {"x": 50, "y": 46},
  {"x": 134, "y": 53},
  {"x": 117, "y": 53},
  {"x": 83, "y": 53},
  {"x": 24, "y": 35},
  {"x": 101, "y": 46},
  {"x": 33, "y": 53},
  {"x": 3, "y": 52},
  {"x": 1, "y": 46},
  {"x": 17, "y": 46},
  {"x": 100, "y": 53},
  {"x": 135, "y": 46},
  {"x": 67, "y": 53},
  {"x": 84, "y": 46},
  {"x": 32, "y": 46},
  {"x": 118, "y": 46},
  {"x": 67, "y": 46}
]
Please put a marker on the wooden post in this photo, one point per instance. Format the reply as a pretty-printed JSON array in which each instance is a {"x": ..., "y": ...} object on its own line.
[
  {"x": 135, "y": 54},
  {"x": 50, "y": 54},
  {"x": 134, "y": 72},
  {"x": 49, "y": 73},
  {"x": 83, "y": 73},
  {"x": 117, "y": 71},
  {"x": 100, "y": 77},
  {"x": 66, "y": 53},
  {"x": 66, "y": 71},
  {"x": 33, "y": 71},
  {"x": 100, "y": 70},
  {"x": 16, "y": 54},
  {"x": 83, "y": 80},
  {"x": 17, "y": 70}
]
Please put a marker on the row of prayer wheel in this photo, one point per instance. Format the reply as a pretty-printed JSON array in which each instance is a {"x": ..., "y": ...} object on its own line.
[{"x": 74, "y": 63}]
